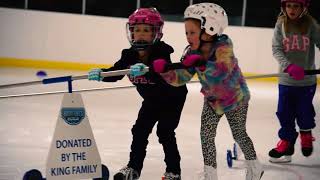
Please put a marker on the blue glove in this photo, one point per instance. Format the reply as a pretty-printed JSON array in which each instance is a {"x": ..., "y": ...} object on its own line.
[
  {"x": 138, "y": 69},
  {"x": 95, "y": 75}
]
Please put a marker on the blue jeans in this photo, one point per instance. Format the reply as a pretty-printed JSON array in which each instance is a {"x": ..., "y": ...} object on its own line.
[{"x": 295, "y": 105}]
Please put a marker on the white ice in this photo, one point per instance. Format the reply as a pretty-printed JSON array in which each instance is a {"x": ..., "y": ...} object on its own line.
[{"x": 27, "y": 125}]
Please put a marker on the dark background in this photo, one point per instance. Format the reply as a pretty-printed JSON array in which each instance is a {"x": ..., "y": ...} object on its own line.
[{"x": 258, "y": 13}]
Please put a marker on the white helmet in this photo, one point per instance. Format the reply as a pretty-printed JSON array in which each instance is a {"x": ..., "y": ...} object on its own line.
[{"x": 213, "y": 17}]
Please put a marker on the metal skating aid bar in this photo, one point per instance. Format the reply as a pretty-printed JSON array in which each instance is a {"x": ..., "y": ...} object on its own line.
[
  {"x": 61, "y": 92},
  {"x": 123, "y": 72},
  {"x": 67, "y": 78},
  {"x": 266, "y": 76},
  {"x": 306, "y": 72}
]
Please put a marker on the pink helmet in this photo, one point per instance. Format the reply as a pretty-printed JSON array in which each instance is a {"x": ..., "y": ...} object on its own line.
[
  {"x": 305, "y": 3},
  {"x": 145, "y": 16}
]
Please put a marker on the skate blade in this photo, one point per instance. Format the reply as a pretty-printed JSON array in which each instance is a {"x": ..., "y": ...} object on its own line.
[
  {"x": 261, "y": 174},
  {"x": 119, "y": 177},
  {"x": 283, "y": 159}
]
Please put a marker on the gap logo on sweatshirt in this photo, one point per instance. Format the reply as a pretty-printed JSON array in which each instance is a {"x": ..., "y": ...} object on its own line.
[{"x": 295, "y": 43}]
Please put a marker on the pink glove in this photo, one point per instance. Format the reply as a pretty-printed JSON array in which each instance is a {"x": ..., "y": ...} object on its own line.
[
  {"x": 296, "y": 72},
  {"x": 159, "y": 65},
  {"x": 192, "y": 60}
]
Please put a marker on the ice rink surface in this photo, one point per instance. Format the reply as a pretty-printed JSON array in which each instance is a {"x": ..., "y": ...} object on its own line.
[{"x": 27, "y": 125}]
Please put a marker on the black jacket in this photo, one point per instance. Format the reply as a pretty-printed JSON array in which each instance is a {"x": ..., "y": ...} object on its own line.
[{"x": 151, "y": 85}]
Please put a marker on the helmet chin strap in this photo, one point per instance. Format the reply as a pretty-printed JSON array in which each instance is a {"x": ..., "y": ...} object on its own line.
[
  {"x": 303, "y": 12},
  {"x": 202, "y": 42}
]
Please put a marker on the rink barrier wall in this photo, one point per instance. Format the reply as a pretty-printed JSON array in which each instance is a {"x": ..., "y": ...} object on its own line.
[
  {"x": 41, "y": 64},
  {"x": 45, "y": 64},
  {"x": 53, "y": 40}
]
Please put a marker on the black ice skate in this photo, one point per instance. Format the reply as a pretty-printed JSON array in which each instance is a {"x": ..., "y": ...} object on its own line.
[
  {"x": 126, "y": 173},
  {"x": 306, "y": 142},
  {"x": 171, "y": 176},
  {"x": 282, "y": 153}
]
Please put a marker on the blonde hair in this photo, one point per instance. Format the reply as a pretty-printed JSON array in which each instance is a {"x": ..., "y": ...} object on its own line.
[{"x": 195, "y": 21}]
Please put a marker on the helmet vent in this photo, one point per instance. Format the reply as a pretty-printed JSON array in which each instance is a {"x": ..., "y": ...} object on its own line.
[{"x": 213, "y": 17}]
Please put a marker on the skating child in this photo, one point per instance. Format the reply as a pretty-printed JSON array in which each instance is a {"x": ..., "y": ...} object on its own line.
[
  {"x": 223, "y": 86},
  {"x": 162, "y": 103},
  {"x": 295, "y": 36}
]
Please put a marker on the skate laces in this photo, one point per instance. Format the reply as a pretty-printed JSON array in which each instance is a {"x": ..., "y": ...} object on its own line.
[
  {"x": 129, "y": 172},
  {"x": 306, "y": 140},
  {"x": 171, "y": 176},
  {"x": 282, "y": 145}
]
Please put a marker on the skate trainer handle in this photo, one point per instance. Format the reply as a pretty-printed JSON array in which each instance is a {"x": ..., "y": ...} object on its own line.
[
  {"x": 68, "y": 78},
  {"x": 73, "y": 78},
  {"x": 127, "y": 71}
]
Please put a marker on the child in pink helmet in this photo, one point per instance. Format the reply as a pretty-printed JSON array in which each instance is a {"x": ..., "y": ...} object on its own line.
[
  {"x": 162, "y": 103},
  {"x": 295, "y": 36}
]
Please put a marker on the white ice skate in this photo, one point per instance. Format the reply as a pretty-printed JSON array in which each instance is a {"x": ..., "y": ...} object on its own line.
[
  {"x": 254, "y": 170},
  {"x": 209, "y": 173}
]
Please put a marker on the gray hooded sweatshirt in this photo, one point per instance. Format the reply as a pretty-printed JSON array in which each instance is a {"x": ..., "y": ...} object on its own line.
[{"x": 294, "y": 47}]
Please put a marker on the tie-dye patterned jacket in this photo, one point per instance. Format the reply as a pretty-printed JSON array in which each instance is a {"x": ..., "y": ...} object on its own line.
[{"x": 223, "y": 84}]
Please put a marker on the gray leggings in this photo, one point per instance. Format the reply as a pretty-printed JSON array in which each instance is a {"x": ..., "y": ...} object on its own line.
[{"x": 237, "y": 121}]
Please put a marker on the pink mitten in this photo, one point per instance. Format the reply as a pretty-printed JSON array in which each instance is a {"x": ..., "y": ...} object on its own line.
[
  {"x": 192, "y": 60},
  {"x": 159, "y": 65},
  {"x": 296, "y": 72}
]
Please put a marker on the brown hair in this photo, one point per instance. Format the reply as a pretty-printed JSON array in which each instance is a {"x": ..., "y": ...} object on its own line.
[{"x": 302, "y": 25}]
